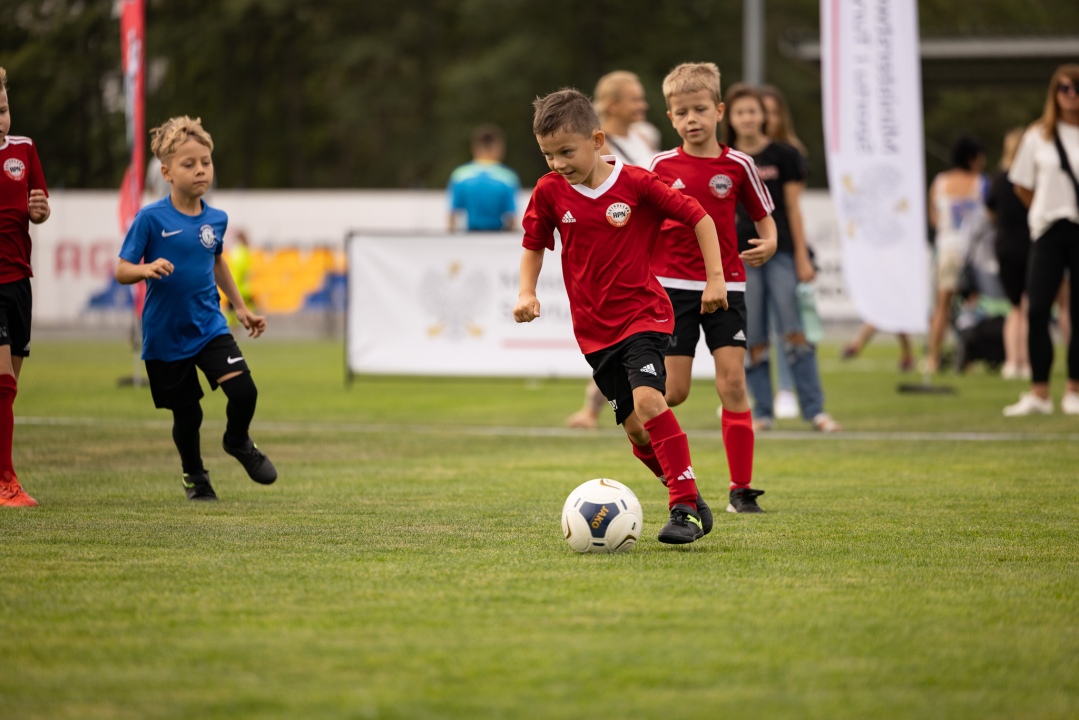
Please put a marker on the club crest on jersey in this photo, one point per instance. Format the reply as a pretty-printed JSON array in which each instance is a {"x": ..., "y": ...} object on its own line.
[
  {"x": 207, "y": 237},
  {"x": 720, "y": 185},
  {"x": 618, "y": 214},
  {"x": 14, "y": 169}
]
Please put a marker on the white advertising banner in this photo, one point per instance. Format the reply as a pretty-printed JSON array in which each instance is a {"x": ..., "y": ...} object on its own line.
[
  {"x": 872, "y": 98},
  {"x": 443, "y": 305}
]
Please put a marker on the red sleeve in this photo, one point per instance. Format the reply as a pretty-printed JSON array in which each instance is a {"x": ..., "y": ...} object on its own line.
[
  {"x": 37, "y": 176},
  {"x": 754, "y": 195},
  {"x": 537, "y": 222},
  {"x": 672, "y": 203}
]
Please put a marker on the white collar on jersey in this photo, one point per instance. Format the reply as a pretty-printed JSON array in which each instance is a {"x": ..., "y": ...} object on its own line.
[{"x": 607, "y": 184}]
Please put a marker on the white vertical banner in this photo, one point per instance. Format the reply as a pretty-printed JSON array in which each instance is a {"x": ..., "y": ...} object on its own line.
[{"x": 872, "y": 99}]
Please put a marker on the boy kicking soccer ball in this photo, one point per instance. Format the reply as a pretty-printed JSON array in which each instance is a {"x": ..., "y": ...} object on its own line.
[
  {"x": 179, "y": 240},
  {"x": 608, "y": 215}
]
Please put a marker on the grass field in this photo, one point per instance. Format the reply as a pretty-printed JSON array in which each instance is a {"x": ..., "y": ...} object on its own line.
[{"x": 409, "y": 562}]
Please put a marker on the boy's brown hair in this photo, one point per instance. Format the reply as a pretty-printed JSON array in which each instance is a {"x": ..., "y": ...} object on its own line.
[
  {"x": 693, "y": 77},
  {"x": 173, "y": 133},
  {"x": 567, "y": 109}
]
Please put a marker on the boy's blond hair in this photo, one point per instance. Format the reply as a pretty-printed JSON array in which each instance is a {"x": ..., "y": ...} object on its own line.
[
  {"x": 693, "y": 77},
  {"x": 173, "y": 133},
  {"x": 3, "y": 79},
  {"x": 609, "y": 89},
  {"x": 566, "y": 109}
]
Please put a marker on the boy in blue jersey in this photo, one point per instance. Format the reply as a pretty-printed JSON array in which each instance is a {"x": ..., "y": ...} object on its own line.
[
  {"x": 179, "y": 241},
  {"x": 484, "y": 190}
]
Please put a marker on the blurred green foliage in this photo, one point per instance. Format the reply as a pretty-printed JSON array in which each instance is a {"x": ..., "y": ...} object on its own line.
[{"x": 299, "y": 93}]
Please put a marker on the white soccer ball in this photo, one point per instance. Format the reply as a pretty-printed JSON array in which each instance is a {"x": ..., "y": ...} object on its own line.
[{"x": 602, "y": 516}]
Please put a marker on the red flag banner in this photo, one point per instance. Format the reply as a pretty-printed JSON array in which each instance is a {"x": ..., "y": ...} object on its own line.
[
  {"x": 132, "y": 30},
  {"x": 132, "y": 45}
]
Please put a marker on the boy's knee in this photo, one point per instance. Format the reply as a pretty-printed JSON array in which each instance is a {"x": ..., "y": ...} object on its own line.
[
  {"x": 676, "y": 396},
  {"x": 731, "y": 387},
  {"x": 637, "y": 434},
  {"x": 241, "y": 388}
]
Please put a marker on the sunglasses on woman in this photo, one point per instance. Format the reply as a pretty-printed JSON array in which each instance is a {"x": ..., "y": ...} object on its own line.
[{"x": 1066, "y": 88}]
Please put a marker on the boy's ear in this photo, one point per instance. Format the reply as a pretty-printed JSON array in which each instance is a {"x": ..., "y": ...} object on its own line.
[
  {"x": 720, "y": 110},
  {"x": 599, "y": 139}
]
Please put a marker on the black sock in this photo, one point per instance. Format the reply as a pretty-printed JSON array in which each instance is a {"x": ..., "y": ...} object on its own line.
[
  {"x": 242, "y": 395},
  {"x": 186, "y": 421}
]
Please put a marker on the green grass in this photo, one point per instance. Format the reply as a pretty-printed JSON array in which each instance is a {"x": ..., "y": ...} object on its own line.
[{"x": 409, "y": 562}]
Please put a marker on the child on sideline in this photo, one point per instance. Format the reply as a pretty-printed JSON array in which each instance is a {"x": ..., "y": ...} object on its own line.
[
  {"x": 608, "y": 215},
  {"x": 719, "y": 178},
  {"x": 24, "y": 199},
  {"x": 180, "y": 239}
]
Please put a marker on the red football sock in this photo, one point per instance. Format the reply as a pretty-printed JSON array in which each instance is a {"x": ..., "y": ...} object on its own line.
[
  {"x": 672, "y": 451},
  {"x": 8, "y": 389},
  {"x": 647, "y": 455},
  {"x": 738, "y": 442}
]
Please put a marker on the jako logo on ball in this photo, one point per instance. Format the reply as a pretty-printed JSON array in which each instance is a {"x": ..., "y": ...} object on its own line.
[
  {"x": 602, "y": 516},
  {"x": 14, "y": 168},
  {"x": 720, "y": 186},
  {"x": 618, "y": 214}
]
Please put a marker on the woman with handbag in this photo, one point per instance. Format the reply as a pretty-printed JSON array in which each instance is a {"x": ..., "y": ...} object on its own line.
[{"x": 1044, "y": 175}]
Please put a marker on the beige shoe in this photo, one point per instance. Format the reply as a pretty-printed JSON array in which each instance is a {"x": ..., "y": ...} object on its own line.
[
  {"x": 824, "y": 423},
  {"x": 1069, "y": 404},
  {"x": 1029, "y": 404}
]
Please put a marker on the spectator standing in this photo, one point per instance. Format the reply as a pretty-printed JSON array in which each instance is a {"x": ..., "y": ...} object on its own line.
[
  {"x": 1013, "y": 257},
  {"x": 1044, "y": 174},
  {"x": 954, "y": 194},
  {"x": 484, "y": 190},
  {"x": 774, "y": 284}
]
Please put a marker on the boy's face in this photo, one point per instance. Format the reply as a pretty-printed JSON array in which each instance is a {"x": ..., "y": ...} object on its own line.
[
  {"x": 191, "y": 169},
  {"x": 5, "y": 116},
  {"x": 695, "y": 116},
  {"x": 572, "y": 155}
]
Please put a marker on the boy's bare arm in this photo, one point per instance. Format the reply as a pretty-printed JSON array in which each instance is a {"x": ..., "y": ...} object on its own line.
[
  {"x": 528, "y": 306},
  {"x": 128, "y": 273},
  {"x": 764, "y": 246},
  {"x": 255, "y": 324},
  {"x": 714, "y": 296},
  {"x": 38, "y": 206}
]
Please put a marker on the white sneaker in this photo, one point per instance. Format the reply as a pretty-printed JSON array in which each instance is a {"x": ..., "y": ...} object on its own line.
[
  {"x": 1069, "y": 404},
  {"x": 1029, "y": 404},
  {"x": 1012, "y": 372},
  {"x": 786, "y": 405}
]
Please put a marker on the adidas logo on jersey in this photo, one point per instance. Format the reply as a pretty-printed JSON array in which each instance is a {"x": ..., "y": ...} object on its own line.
[
  {"x": 678, "y": 185},
  {"x": 740, "y": 336},
  {"x": 568, "y": 218},
  {"x": 688, "y": 474},
  {"x": 649, "y": 368}
]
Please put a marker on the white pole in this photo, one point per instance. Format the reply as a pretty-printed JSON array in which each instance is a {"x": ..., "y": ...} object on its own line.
[{"x": 753, "y": 41}]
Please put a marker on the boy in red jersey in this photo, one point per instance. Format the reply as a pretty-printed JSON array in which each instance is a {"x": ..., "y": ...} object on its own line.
[
  {"x": 718, "y": 177},
  {"x": 608, "y": 215},
  {"x": 24, "y": 199}
]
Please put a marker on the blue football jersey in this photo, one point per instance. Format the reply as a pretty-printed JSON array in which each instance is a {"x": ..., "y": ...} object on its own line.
[{"x": 183, "y": 310}]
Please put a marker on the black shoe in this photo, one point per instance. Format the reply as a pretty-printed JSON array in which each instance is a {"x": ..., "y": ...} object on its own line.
[
  {"x": 197, "y": 486},
  {"x": 702, "y": 509},
  {"x": 744, "y": 500},
  {"x": 683, "y": 527},
  {"x": 705, "y": 513},
  {"x": 258, "y": 466}
]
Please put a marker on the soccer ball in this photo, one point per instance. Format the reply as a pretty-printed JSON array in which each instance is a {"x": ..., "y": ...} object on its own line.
[{"x": 602, "y": 516}]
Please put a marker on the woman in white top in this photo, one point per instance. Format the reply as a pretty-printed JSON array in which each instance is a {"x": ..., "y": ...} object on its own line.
[
  {"x": 954, "y": 194},
  {"x": 1044, "y": 185}
]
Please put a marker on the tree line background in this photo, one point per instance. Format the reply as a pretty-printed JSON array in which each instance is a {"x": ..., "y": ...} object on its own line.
[{"x": 342, "y": 94}]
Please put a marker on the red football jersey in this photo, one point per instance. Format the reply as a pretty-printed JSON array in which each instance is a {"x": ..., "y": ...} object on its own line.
[
  {"x": 719, "y": 184},
  {"x": 21, "y": 173},
  {"x": 608, "y": 235}
]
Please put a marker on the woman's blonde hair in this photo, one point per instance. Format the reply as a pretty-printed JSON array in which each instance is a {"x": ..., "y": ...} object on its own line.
[
  {"x": 1011, "y": 146},
  {"x": 3, "y": 79},
  {"x": 693, "y": 77},
  {"x": 1051, "y": 114},
  {"x": 173, "y": 133},
  {"x": 609, "y": 89},
  {"x": 784, "y": 129}
]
